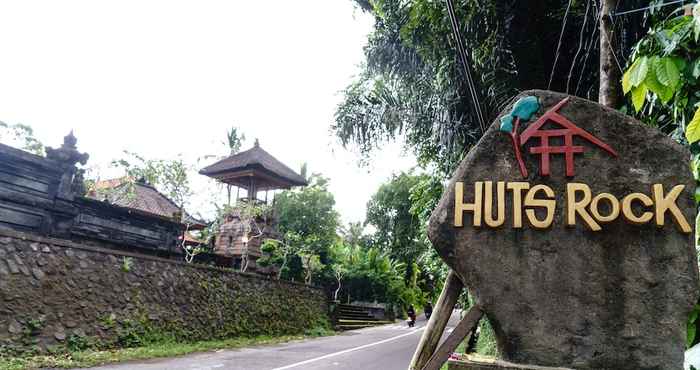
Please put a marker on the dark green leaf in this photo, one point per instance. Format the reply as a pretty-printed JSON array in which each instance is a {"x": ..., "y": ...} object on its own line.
[{"x": 691, "y": 334}]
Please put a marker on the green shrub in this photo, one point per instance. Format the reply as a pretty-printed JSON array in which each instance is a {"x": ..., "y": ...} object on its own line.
[{"x": 77, "y": 342}]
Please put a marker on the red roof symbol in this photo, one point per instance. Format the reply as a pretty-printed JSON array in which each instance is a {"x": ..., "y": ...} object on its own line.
[{"x": 568, "y": 131}]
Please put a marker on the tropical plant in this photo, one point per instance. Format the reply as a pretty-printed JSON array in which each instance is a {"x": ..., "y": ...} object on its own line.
[
  {"x": 412, "y": 86},
  {"x": 308, "y": 224},
  {"x": 662, "y": 80},
  {"x": 398, "y": 231},
  {"x": 234, "y": 140},
  {"x": 662, "y": 77},
  {"x": 21, "y": 136}
]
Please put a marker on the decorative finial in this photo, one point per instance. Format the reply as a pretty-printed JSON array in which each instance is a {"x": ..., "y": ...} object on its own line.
[
  {"x": 257, "y": 142},
  {"x": 70, "y": 141},
  {"x": 68, "y": 152}
]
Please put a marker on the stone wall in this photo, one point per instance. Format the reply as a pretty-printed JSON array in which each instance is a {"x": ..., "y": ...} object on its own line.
[{"x": 57, "y": 294}]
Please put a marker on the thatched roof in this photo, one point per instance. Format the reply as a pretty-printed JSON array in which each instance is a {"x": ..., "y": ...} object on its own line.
[{"x": 257, "y": 165}]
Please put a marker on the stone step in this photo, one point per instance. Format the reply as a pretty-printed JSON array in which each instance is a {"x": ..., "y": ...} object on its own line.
[{"x": 375, "y": 321}]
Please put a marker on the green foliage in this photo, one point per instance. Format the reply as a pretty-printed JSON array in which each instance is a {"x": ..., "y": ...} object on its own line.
[
  {"x": 412, "y": 85},
  {"x": 321, "y": 328},
  {"x": 662, "y": 77},
  {"x": 131, "y": 334},
  {"x": 21, "y": 136},
  {"x": 692, "y": 326},
  {"x": 486, "y": 345},
  {"x": 95, "y": 357},
  {"x": 399, "y": 212},
  {"x": 397, "y": 228},
  {"x": 234, "y": 140},
  {"x": 168, "y": 176},
  {"x": 374, "y": 276},
  {"x": 127, "y": 263},
  {"x": 33, "y": 326},
  {"x": 308, "y": 221},
  {"x": 77, "y": 342}
]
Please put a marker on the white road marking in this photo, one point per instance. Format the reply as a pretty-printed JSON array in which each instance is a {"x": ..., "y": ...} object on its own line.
[{"x": 347, "y": 350}]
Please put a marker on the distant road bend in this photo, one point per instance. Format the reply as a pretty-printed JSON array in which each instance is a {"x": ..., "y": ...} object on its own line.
[{"x": 388, "y": 347}]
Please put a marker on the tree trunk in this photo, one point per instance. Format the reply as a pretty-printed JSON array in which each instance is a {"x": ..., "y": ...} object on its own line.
[
  {"x": 335, "y": 296},
  {"x": 308, "y": 270},
  {"x": 609, "y": 91},
  {"x": 284, "y": 263}
]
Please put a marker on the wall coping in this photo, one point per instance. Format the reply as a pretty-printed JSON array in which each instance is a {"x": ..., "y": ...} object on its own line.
[{"x": 9, "y": 233}]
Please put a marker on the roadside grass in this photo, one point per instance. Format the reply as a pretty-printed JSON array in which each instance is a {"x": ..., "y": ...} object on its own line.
[{"x": 88, "y": 358}]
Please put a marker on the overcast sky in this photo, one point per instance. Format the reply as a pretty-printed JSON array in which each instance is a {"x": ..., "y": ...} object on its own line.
[{"x": 166, "y": 77}]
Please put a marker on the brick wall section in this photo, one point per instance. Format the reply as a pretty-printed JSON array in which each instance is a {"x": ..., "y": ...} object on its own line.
[{"x": 56, "y": 294}]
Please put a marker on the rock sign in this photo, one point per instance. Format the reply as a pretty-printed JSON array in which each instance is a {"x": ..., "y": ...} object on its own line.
[{"x": 572, "y": 231}]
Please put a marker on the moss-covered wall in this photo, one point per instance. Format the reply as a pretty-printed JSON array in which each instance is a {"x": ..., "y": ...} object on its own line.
[{"x": 56, "y": 294}]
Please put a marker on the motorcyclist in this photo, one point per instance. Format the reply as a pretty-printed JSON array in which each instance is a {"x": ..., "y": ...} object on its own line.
[
  {"x": 411, "y": 316},
  {"x": 428, "y": 309}
]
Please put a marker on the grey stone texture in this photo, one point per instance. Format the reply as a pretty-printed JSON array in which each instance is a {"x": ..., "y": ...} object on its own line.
[
  {"x": 568, "y": 296},
  {"x": 77, "y": 290}
]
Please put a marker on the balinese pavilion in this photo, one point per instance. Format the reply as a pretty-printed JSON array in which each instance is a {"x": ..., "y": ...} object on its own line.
[{"x": 256, "y": 172}]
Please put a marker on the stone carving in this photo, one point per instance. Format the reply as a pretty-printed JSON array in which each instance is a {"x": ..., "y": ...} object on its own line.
[
  {"x": 68, "y": 152},
  {"x": 68, "y": 156},
  {"x": 562, "y": 294}
]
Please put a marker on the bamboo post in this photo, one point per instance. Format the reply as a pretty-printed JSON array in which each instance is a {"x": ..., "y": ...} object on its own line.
[{"x": 438, "y": 320}]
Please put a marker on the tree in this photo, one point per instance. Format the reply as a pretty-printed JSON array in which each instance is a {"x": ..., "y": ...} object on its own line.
[
  {"x": 167, "y": 175},
  {"x": 398, "y": 230},
  {"x": 308, "y": 221},
  {"x": 234, "y": 140},
  {"x": 370, "y": 275},
  {"x": 399, "y": 212},
  {"x": 354, "y": 235},
  {"x": 609, "y": 72},
  {"x": 411, "y": 86},
  {"x": 662, "y": 75},
  {"x": 21, "y": 136}
]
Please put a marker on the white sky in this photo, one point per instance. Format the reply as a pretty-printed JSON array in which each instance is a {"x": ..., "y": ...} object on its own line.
[{"x": 166, "y": 77}]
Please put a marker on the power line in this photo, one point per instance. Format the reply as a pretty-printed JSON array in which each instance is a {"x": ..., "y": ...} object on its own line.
[
  {"x": 465, "y": 64},
  {"x": 646, "y": 8},
  {"x": 578, "y": 50},
  {"x": 561, "y": 36}
]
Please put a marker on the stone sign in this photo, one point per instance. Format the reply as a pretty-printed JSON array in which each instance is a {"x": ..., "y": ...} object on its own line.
[{"x": 570, "y": 224}]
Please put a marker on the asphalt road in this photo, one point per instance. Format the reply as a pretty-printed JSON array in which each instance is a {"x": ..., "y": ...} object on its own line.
[{"x": 388, "y": 347}]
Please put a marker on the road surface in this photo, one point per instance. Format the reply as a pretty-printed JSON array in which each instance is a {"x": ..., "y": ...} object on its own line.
[{"x": 388, "y": 347}]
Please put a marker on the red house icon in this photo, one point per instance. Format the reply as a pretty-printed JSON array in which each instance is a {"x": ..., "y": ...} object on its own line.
[{"x": 567, "y": 130}]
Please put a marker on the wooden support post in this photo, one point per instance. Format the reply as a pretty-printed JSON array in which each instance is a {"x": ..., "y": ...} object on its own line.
[
  {"x": 454, "y": 339},
  {"x": 438, "y": 320}
]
